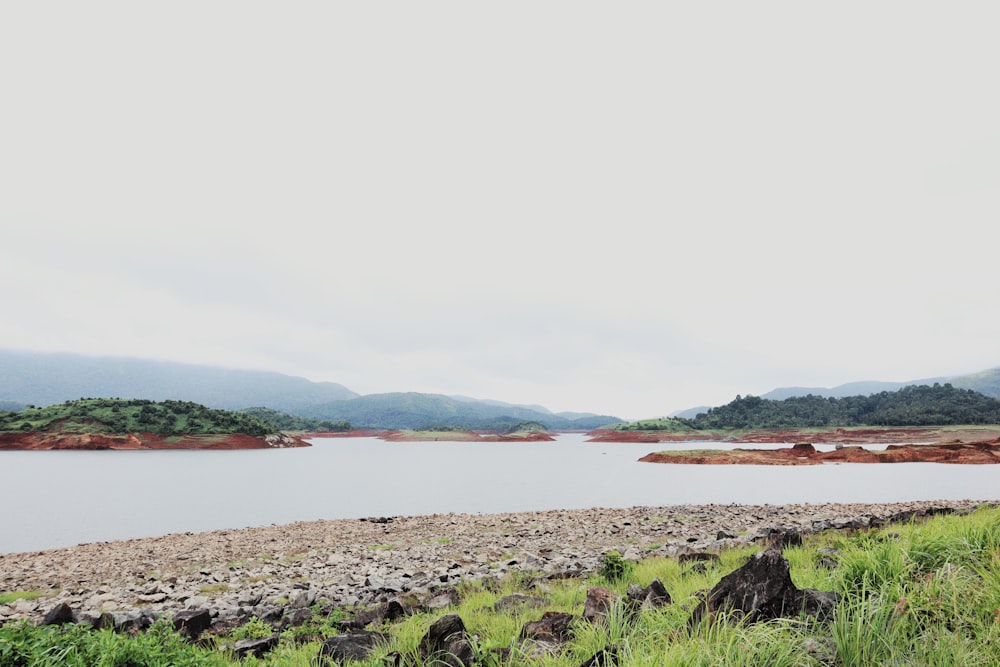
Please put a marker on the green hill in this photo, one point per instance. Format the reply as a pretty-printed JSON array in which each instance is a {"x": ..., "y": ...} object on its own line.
[
  {"x": 918, "y": 405},
  {"x": 119, "y": 416},
  {"x": 286, "y": 422}
]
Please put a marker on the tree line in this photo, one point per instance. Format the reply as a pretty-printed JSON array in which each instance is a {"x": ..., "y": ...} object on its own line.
[
  {"x": 119, "y": 416},
  {"x": 915, "y": 405}
]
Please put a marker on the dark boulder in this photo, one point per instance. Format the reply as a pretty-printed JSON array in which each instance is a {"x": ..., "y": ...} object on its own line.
[
  {"x": 779, "y": 538},
  {"x": 192, "y": 622},
  {"x": 385, "y": 612},
  {"x": 59, "y": 615},
  {"x": 599, "y": 603},
  {"x": 255, "y": 647},
  {"x": 355, "y": 646},
  {"x": 447, "y": 643},
  {"x": 553, "y": 626},
  {"x": 654, "y": 595},
  {"x": 761, "y": 590}
]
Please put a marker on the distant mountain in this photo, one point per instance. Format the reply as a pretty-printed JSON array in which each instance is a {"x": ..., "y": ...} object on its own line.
[
  {"x": 414, "y": 410},
  {"x": 41, "y": 378},
  {"x": 985, "y": 382},
  {"x": 487, "y": 401},
  {"x": 840, "y": 391},
  {"x": 690, "y": 413}
]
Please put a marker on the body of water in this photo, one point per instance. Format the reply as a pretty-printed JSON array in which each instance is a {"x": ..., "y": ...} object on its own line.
[{"x": 58, "y": 498}]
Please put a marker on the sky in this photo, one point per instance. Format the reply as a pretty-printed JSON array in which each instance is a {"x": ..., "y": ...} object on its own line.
[{"x": 622, "y": 208}]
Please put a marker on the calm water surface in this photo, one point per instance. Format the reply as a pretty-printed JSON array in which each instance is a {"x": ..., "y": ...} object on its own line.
[{"x": 54, "y": 499}]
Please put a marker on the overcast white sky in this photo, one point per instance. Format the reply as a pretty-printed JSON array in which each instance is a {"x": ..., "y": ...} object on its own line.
[{"x": 625, "y": 208}]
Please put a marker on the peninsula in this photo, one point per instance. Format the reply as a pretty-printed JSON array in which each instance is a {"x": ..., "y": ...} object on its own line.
[
  {"x": 111, "y": 423},
  {"x": 805, "y": 454}
]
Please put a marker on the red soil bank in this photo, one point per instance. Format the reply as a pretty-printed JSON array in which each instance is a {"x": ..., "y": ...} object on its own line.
[
  {"x": 806, "y": 454},
  {"x": 86, "y": 441}
]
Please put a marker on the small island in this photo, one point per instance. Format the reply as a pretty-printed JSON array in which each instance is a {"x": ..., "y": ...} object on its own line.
[
  {"x": 805, "y": 454},
  {"x": 934, "y": 424},
  {"x": 112, "y": 424},
  {"x": 532, "y": 433}
]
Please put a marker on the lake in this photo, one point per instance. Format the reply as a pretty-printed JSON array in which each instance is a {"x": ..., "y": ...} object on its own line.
[{"x": 59, "y": 498}]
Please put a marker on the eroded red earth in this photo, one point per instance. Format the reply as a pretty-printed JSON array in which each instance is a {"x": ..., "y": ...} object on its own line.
[
  {"x": 468, "y": 436},
  {"x": 806, "y": 454},
  {"x": 845, "y": 436},
  {"x": 91, "y": 441}
]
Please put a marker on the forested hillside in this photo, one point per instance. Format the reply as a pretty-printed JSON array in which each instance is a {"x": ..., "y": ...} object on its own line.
[
  {"x": 920, "y": 405},
  {"x": 119, "y": 416},
  {"x": 422, "y": 411},
  {"x": 286, "y": 422}
]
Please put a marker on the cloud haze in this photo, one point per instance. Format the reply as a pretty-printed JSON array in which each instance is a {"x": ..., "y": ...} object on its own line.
[{"x": 627, "y": 209}]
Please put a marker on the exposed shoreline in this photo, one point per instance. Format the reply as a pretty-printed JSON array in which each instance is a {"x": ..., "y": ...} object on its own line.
[
  {"x": 350, "y": 562},
  {"x": 41, "y": 441}
]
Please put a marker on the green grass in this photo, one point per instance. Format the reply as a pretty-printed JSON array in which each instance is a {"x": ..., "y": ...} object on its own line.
[
  {"x": 926, "y": 594},
  {"x": 668, "y": 424},
  {"x": 7, "y": 598}
]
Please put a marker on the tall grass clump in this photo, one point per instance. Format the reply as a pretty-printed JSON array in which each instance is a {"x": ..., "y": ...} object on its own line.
[
  {"x": 925, "y": 593},
  {"x": 24, "y": 645}
]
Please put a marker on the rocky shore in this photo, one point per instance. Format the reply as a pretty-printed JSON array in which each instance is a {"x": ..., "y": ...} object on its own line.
[{"x": 277, "y": 572}]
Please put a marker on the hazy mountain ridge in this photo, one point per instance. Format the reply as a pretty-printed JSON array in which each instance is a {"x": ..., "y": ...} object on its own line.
[
  {"x": 986, "y": 382},
  {"x": 42, "y": 378},
  {"x": 39, "y": 378},
  {"x": 411, "y": 410}
]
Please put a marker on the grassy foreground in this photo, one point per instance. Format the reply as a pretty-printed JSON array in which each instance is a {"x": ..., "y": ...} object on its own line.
[{"x": 918, "y": 594}]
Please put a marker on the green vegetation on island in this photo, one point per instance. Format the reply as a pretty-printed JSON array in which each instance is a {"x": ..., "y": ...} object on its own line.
[
  {"x": 672, "y": 424},
  {"x": 919, "y": 593},
  {"x": 916, "y": 405},
  {"x": 286, "y": 422},
  {"x": 121, "y": 416}
]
